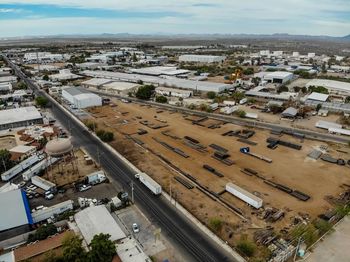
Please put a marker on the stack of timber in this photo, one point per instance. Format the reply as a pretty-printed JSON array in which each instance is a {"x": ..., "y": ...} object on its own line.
[{"x": 213, "y": 170}]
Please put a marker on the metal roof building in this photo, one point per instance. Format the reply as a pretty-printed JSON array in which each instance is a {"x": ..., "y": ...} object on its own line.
[
  {"x": 332, "y": 85},
  {"x": 160, "y": 81},
  {"x": 318, "y": 97},
  {"x": 81, "y": 98},
  {"x": 159, "y": 70},
  {"x": 15, "y": 210},
  {"x": 95, "y": 220},
  {"x": 278, "y": 77},
  {"x": 290, "y": 112},
  {"x": 96, "y": 82},
  {"x": 201, "y": 58},
  {"x": 18, "y": 117}
]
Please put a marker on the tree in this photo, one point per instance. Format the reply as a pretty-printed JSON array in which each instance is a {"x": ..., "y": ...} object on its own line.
[
  {"x": 211, "y": 95},
  {"x": 46, "y": 77},
  {"x": 41, "y": 101},
  {"x": 304, "y": 89},
  {"x": 105, "y": 136},
  {"x": 5, "y": 158},
  {"x": 347, "y": 99},
  {"x": 102, "y": 248},
  {"x": 296, "y": 89},
  {"x": 248, "y": 71},
  {"x": 318, "y": 107},
  {"x": 73, "y": 249},
  {"x": 238, "y": 96},
  {"x": 282, "y": 88},
  {"x": 21, "y": 85},
  {"x": 318, "y": 89},
  {"x": 161, "y": 99},
  {"x": 240, "y": 113},
  {"x": 145, "y": 92},
  {"x": 134, "y": 57},
  {"x": 42, "y": 233}
]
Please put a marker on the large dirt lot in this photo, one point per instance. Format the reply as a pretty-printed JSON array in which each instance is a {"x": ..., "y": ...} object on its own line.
[{"x": 289, "y": 167}]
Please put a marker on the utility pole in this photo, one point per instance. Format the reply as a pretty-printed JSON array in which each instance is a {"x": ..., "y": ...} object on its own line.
[
  {"x": 98, "y": 156},
  {"x": 132, "y": 191}
]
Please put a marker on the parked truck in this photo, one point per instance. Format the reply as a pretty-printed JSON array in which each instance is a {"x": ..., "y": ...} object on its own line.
[
  {"x": 149, "y": 183},
  {"x": 43, "y": 184},
  {"x": 96, "y": 178},
  {"x": 244, "y": 195}
]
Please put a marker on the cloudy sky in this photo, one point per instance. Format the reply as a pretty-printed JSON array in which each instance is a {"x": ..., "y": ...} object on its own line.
[{"x": 50, "y": 17}]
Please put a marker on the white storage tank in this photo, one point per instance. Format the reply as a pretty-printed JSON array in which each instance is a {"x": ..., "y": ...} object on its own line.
[{"x": 244, "y": 195}]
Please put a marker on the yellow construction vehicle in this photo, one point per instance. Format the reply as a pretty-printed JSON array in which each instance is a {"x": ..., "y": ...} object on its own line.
[{"x": 234, "y": 76}]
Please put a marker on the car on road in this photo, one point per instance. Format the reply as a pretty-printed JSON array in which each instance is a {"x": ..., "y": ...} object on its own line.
[{"x": 135, "y": 228}]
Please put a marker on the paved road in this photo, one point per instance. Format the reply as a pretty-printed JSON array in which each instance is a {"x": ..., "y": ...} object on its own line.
[
  {"x": 240, "y": 121},
  {"x": 191, "y": 240}
]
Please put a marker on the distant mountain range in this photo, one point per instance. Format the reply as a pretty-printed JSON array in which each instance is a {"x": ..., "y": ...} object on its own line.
[{"x": 191, "y": 36}]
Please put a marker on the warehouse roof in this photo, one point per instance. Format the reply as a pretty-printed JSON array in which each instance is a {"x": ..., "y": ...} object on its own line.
[
  {"x": 23, "y": 149},
  {"x": 95, "y": 220},
  {"x": 278, "y": 74},
  {"x": 318, "y": 97},
  {"x": 17, "y": 209},
  {"x": 165, "y": 81},
  {"x": 173, "y": 90},
  {"x": 330, "y": 84},
  {"x": 19, "y": 115},
  {"x": 159, "y": 70},
  {"x": 290, "y": 112},
  {"x": 96, "y": 82},
  {"x": 120, "y": 85},
  {"x": 73, "y": 91}
]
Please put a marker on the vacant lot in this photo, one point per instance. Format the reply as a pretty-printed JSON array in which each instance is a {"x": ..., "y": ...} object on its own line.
[{"x": 289, "y": 167}]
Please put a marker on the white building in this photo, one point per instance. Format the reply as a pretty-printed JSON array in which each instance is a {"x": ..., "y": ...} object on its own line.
[
  {"x": 95, "y": 220},
  {"x": 18, "y": 117},
  {"x": 167, "y": 91},
  {"x": 81, "y": 98},
  {"x": 64, "y": 74},
  {"x": 8, "y": 79},
  {"x": 41, "y": 57},
  {"x": 279, "y": 77},
  {"x": 120, "y": 88},
  {"x": 317, "y": 97},
  {"x": 159, "y": 70},
  {"x": 202, "y": 58},
  {"x": 95, "y": 82},
  {"x": 333, "y": 86}
]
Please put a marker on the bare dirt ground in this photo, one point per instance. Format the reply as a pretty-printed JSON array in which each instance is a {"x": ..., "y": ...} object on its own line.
[
  {"x": 7, "y": 142},
  {"x": 289, "y": 167}
]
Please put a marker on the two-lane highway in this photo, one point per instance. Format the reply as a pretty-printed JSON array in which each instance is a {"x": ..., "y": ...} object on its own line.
[{"x": 196, "y": 245}]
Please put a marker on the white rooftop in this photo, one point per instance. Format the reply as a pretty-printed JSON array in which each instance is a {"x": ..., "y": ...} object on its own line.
[
  {"x": 318, "y": 97},
  {"x": 159, "y": 70},
  {"x": 96, "y": 82},
  {"x": 120, "y": 85},
  {"x": 19, "y": 115},
  {"x": 22, "y": 149},
  {"x": 95, "y": 220},
  {"x": 330, "y": 84},
  {"x": 129, "y": 251},
  {"x": 278, "y": 74}
]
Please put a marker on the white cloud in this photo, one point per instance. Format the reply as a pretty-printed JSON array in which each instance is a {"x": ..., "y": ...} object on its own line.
[{"x": 10, "y": 10}]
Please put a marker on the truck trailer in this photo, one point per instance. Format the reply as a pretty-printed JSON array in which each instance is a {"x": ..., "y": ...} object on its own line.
[
  {"x": 149, "y": 183},
  {"x": 244, "y": 195},
  {"x": 43, "y": 183}
]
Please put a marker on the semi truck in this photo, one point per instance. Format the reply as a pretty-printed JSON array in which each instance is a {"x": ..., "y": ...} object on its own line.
[{"x": 152, "y": 185}]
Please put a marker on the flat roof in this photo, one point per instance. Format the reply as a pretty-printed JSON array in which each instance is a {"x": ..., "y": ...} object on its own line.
[
  {"x": 95, "y": 220},
  {"x": 318, "y": 97},
  {"x": 169, "y": 89},
  {"x": 117, "y": 85},
  {"x": 17, "y": 209},
  {"x": 96, "y": 82},
  {"x": 278, "y": 74},
  {"x": 330, "y": 84},
  {"x": 22, "y": 149},
  {"x": 19, "y": 115},
  {"x": 129, "y": 251},
  {"x": 73, "y": 91},
  {"x": 162, "y": 81},
  {"x": 159, "y": 70}
]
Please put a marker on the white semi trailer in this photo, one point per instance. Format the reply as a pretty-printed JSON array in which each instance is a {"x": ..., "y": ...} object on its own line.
[
  {"x": 149, "y": 183},
  {"x": 244, "y": 195}
]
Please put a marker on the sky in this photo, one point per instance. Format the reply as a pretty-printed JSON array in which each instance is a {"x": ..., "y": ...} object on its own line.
[{"x": 52, "y": 17}]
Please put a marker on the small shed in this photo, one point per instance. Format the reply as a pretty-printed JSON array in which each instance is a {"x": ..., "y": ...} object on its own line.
[{"x": 290, "y": 112}]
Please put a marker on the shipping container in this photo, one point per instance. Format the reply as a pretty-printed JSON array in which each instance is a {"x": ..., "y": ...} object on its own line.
[
  {"x": 244, "y": 195},
  {"x": 149, "y": 183}
]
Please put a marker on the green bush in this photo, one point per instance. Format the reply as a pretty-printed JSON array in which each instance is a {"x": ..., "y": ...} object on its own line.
[
  {"x": 318, "y": 89},
  {"x": 161, "y": 99},
  {"x": 215, "y": 224},
  {"x": 211, "y": 95},
  {"x": 246, "y": 248},
  {"x": 145, "y": 92},
  {"x": 42, "y": 233}
]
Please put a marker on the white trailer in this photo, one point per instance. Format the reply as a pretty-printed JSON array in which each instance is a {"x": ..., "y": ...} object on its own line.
[
  {"x": 43, "y": 183},
  {"x": 45, "y": 213},
  {"x": 150, "y": 183},
  {"x": 96, "y": 177},
  {"x": 244, "y": 195},
  {"x": 35, "y": 170},
  {"x": 6, "y": 176}
]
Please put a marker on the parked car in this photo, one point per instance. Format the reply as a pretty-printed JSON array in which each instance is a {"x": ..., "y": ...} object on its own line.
[
  {"x": 49, "y": 196},
  {"x": 135, "y": 228},
  {"x": 84, "y": 188}
]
